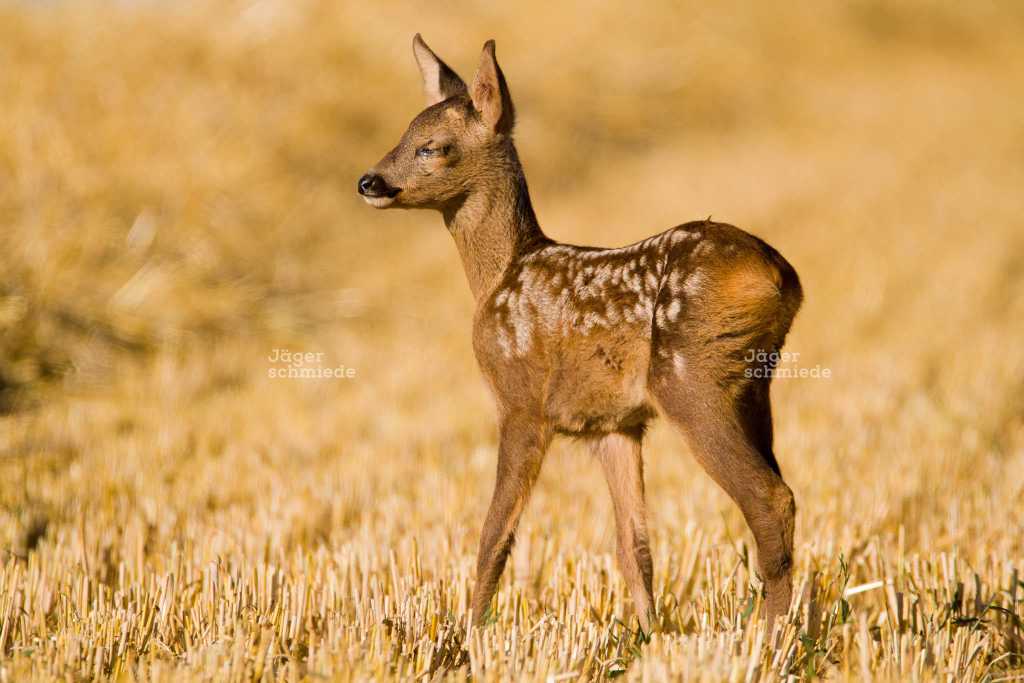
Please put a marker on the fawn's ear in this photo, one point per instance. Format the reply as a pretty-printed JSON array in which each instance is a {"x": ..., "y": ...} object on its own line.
[
  {"x": 490, "y": 93},
  {"x": 439, "y": 81}
]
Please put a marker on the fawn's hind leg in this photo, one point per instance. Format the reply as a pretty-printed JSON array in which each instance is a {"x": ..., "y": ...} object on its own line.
[
  {"x": 622, "y": 461},
  {"x": 729, "y": 431}
]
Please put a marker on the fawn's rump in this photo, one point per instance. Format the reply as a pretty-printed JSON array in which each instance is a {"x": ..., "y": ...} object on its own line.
[{"x": 722, "y": 313}]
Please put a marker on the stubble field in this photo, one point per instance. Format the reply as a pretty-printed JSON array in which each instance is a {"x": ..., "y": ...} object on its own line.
[{"x": 177, "y": 206}]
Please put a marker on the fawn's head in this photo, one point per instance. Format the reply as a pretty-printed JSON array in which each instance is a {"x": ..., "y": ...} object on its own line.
[{"x": 462, "y": 140}]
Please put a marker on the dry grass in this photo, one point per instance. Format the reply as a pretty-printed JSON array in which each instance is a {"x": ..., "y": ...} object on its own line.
[{"x": 176, "y": 201}]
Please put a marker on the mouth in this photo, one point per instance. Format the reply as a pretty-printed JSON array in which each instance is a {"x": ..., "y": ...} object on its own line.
[{"x": 379, "y": 201}]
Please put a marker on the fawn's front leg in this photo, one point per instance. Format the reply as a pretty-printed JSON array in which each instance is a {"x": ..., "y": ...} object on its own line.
[{"x": 524, "y": 439}]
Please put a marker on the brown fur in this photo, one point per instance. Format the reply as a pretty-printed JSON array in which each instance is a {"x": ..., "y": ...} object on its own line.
[{"x": 590, "y": 342}]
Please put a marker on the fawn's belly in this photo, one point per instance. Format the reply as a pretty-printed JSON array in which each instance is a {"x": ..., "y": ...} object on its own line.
[{"x": 599, "y": 385}]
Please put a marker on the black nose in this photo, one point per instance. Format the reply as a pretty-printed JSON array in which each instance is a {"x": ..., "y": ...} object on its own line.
[{"x": 372, "y": 184}]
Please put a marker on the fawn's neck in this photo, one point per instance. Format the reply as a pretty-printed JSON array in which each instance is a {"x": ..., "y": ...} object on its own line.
[{"x": 493, "y": 225}]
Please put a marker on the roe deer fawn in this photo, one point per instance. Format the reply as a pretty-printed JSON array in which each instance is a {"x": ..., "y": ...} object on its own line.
[{"x": 587, "y": 342}]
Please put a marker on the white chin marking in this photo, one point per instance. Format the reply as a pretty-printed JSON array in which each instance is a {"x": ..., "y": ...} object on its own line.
[{"x": 379, "y": 202}]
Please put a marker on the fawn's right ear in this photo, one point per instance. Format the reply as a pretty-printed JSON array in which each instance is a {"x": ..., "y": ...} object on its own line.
[
  {"x": 490, "y": 93},
  {"x": 439, "y": 81}
]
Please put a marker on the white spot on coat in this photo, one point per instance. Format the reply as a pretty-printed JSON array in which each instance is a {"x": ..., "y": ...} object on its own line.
[
  {"x": 673, "y": 310},
  {"x": 679, "y": 363},
  {"x": 704, "y": 248},
  {"x": 694, "y": 282}
]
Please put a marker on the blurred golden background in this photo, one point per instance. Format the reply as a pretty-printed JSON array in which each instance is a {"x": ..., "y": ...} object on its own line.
[{"x": 177, "y": 202}]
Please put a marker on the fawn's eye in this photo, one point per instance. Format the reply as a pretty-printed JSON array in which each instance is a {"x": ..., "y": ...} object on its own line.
[{"x": 426, "y": 151}]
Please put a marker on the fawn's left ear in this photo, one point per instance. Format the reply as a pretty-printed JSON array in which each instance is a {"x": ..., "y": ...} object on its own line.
[
  {"x": 439, "y": 81},
  {"x": 490, "y": 93}
]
